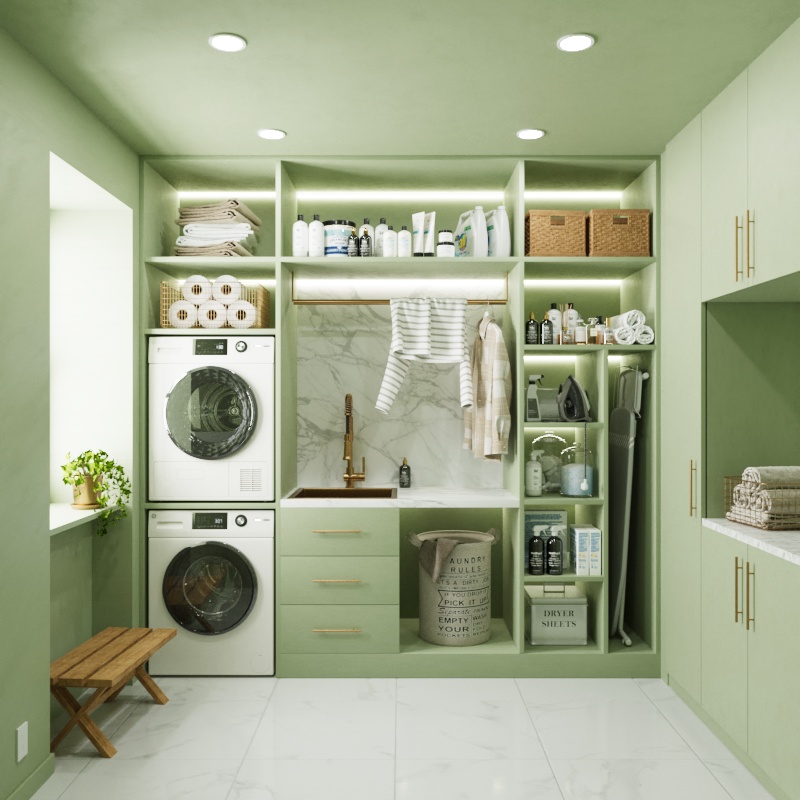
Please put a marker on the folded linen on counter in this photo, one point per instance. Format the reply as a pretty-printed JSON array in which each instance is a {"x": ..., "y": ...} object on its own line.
[
  {"x": 776, "y": 477},
  {"x": 224, "y": 249},
  {"x": 226, "y": 216},
  {"x": 211, "y": 209},
  {"x": 633, "y": 318},
  {"x": 777, "y": 501},
  {"x": 742, "y": 496},
  {"x": 764, "y": 519}
]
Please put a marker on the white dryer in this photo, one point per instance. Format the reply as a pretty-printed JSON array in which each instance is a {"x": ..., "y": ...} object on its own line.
[
  {"x": 211, "y": 575},
  {"x": 211, "y": 418}
]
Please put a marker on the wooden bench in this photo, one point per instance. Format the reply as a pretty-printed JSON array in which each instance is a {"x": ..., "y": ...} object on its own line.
[{"x": 105, "y": 663}]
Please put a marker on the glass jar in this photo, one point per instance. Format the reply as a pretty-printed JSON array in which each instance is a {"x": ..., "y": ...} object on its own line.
[
  {"x": 552, "y": 445},
  {"x": 577, "y": 472}
]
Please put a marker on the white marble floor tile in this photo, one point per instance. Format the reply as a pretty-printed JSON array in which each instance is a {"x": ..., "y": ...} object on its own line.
[
  {"x": 328, "y": 719},
  {"x": 152, "y": 779},
  {"x": 221, "y": 690},
  {"x": 495, "y": 779},
  {"x": 686, "y": 779},
  {"x": 655, "y": 688},
  {"x": 546, "y": 693},
  {"x": 693, "y": 731},
  {"x": 295, "y": 779},
  {"x": 463, "y": 719},
  {"x": 67, "y": 769},
  {"x": 738, "y": 780},
  {"x": 624, "y": 730}
]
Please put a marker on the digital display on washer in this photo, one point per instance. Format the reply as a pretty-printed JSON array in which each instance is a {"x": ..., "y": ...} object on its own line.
[
  {"x": 208, "y": 521},
  {"x": 211, "y": 347}
]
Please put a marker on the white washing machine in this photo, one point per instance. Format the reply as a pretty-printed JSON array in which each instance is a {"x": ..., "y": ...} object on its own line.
[
  {"x": 211, "y": 418},
  {"x": 211, "y": 575}
]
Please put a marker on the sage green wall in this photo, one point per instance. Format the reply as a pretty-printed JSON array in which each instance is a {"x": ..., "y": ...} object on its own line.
[{"x": 37, "y": 116}]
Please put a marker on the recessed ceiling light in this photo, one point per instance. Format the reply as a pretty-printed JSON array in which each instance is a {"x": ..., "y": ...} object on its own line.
[
  {"x": 271, "y": 133},
  {"x": 227, "y": 42},
  {"x": 530, "y": 133},
  {"x": 575, "y": 42}
]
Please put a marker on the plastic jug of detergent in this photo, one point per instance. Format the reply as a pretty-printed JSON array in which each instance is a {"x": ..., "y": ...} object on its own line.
[
  {"x": 471, "y": 236},
  {"x": 498, "y": 233}
]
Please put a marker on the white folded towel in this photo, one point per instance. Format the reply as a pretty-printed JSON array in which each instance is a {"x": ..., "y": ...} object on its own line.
[
  {"x": 775, "y": 477},
  {"x": 742, "y": 496},
  {"x": 632, "y": 318},
  {"x": 624, "y": 335},
  {"x": 182, "y": 314},
  {"x": 226, "y": 289},
  {"x": 241, "y": 314},
  {"x": 196, "y": 289},
  {"x": 212, "y": 229},
  {"x": 212, "y": 314}
]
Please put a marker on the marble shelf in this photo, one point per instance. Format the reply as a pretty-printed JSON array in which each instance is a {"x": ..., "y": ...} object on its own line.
[
  {"x": 782, "y": 544},
  {"x": 416, "y": 498}
]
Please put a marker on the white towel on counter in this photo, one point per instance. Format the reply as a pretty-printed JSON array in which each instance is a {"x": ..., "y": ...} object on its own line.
[
  {"x": 226, "y": 289},
  {"x": 430, "y": 330},
  {"x": 212, "y": 314},
  {"x": 196, "y": 289},
  {"x": 241, "y": 314},
  {"x": 182, "y": 314}
]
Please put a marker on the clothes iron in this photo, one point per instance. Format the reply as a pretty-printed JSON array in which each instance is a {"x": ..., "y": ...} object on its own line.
[{"x": 573, "y": 403}]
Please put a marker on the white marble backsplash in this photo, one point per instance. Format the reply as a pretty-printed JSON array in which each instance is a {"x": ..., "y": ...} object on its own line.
[{"x": 343, "y": 348}]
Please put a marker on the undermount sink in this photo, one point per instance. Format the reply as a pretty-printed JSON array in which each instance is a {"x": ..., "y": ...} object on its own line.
[{"x": 344, "y": 492}]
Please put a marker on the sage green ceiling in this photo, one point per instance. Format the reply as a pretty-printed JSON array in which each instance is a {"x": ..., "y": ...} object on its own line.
[{"x": 432, "y": 77}]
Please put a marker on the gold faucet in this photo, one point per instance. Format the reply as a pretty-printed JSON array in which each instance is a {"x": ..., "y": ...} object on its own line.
[{"x": 350, "y": 477}]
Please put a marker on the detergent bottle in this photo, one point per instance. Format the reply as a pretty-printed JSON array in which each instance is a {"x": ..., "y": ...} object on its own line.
[{"x": 498, "y": 233}]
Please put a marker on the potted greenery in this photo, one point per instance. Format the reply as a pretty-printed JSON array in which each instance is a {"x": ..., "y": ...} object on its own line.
[{"x": 98, "y": 482}]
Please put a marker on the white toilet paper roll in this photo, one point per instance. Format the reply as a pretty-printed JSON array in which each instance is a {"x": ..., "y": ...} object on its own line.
[
  {"x": 182, "y": 314},
  {"x": 196, "y": 289},
  {"x": 211, "y": 314},
  {"x": 226, "y": 289},
  {"x": 241, "y": 314}
]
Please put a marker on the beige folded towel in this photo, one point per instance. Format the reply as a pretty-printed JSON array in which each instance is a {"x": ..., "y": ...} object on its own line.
[
  {"x": 742, "y": 496},
  {"x": 776, "y": 477},
  {"x": 224, "y": 249},
  {"x": 764, "y": 519},
  {"x": 223, "y": 205},
  {"x": 224, "y": 216},
  {"x": 777, "y": 501}
]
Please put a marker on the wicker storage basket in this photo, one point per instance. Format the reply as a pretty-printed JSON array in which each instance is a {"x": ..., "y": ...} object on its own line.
[
  {"x": 769, "y": 506},
  {"x": 555, "y": 233},
  {"x": 255, "y": 294},
  {"x": 623, "y": 232}
]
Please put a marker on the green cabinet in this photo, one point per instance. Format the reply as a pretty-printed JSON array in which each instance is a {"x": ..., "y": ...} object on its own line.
[
  {"x": 340, "y": 629},
  {"x": 340, "y": 532},
  {"x": 681, "y": 412},
  {"x": 371, "y": 580}
]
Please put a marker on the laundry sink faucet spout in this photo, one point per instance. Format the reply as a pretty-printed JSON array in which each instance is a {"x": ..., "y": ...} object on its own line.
[{"x": 350, "y": 476}]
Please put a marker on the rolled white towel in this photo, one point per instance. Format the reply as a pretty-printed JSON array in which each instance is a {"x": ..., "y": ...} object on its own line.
[
  {"x": 624, "y": 335},
  {"x": 742, "y": 496},
  {"x": 226, "y": 289},
  {"x": 777, "y": 501},
  {"x": 196, "y": 289},
  {"x": 212, "y": 314},
  {"x": 776, "y": 477},
  {"x": 241, "y": 314},
  {"x": 182, "y": 314},
  {"x": 644, "y": 334},
  {"x": 632, "y": 318}
]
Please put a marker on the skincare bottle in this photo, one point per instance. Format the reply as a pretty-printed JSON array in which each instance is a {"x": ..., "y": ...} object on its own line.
[
  {"x": 365, "y": 242},
  {"x": 554, "y": 315},
  {"x": 352, "y": 244},
  {"x": 445, "y": 250},
  {"x": 534, "y": 475},
  {"x": 572, "y": 315},
  {"x": 377, "y": 242},
  {"x": 300, "y": 238},
  {"x": 370, "y": 231},
  {"x": 403, "y": 242},
  {"x": 405, "y": 475},
  {"x": 316, "y": 238},
  {"x": 580, "y": 333},
  {"x": 591, "y": 331},
  {"x": 536, "y": 555},
  {"x": 599, "y": 331},
  {"x": 546, "y": 332},
  {"x": 553, "y": 556},
  {"x": 532, "y": 330},
  {"x": 389, "y": 242}
]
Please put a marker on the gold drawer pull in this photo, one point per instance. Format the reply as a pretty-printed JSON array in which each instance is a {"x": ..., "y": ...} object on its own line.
[
  {"x": 692, "y": 471},
  {"x": 737, "y": 568},
  {"x": 336, "y": 580},
  {"x": 737, "y": 271},
  {"x": 337, "y": 630},
  {"x": 750, "y": 221},
  {"x": 334, "y": 530},
  {"x": 751, "y": 573}
]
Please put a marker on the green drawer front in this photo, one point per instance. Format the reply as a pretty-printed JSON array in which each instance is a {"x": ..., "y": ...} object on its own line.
[
  {"x": 340, "y": 580},
  {"x": 340, "y": 532},
  {"x": 340, "y": 629}
]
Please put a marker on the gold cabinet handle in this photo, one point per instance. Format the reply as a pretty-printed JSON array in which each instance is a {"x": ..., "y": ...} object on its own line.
[
  {"x": 692, "y": 473},
  {"x": 337, "y": 630},
  {"x": 335, "y": 530},
  {"x": 737, "y": 272},
  {"x": 750, "y": 221},
  {"x": 336, "y": 580},
  {"x": 737, "y": 569},
  {"x": 748, "y": 619}
]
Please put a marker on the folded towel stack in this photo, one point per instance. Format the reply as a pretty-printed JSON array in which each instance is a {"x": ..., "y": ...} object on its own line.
[
  {"x": 767, "y": 497},
  {"x": 227, "y": 228},
  {"x": 629, "y": 328}
]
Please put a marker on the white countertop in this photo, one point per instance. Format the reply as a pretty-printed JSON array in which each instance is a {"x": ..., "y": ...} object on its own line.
[
  {"x": 782, "y": 544},
  {"x": 416, "y": 498},
  {"x": 63, "y": 517}
]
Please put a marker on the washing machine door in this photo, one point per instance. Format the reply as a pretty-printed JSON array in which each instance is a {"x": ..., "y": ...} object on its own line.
[
  {"x": 210, "y": 413},
  {"x": 210, "y": 588}
]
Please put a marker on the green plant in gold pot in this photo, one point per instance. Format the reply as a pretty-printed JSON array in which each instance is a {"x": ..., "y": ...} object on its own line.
[{"x": 98, "y": 482}]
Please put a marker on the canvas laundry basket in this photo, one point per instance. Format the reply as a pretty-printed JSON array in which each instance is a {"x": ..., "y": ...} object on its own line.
[{"x": 456, "y": 609}]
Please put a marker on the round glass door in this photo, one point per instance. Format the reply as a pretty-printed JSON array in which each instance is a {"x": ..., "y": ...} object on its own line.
[
  {"x": 210, "y": 413},
  {"x": 210, "y": 588}
]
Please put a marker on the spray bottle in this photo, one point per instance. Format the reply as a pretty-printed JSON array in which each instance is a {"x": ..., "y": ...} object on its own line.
[{"x": 534, "y": 475}]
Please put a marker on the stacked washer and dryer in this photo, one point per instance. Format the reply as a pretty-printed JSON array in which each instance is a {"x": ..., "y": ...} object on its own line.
[{"x": 211, "y": 440}]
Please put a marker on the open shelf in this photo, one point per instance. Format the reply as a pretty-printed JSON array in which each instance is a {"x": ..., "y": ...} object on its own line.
[
  {"x": 616, "y": 647},
  {"x": 592, "y": 648},
  {"x": 210, "y": 332},
  {"x": 560, "y": 499},
  {"x": 577, "y": 349},
  {"x": 372, "y": 267},
  {"x": 591, "y": 426},
  {"x": 500, "y": 643},
  {"x": 586, "y": 267},
  {"x": 223, "y": 506},
  {"x": 181, "y": 267},
  {"x": 567, "y": 577}
]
